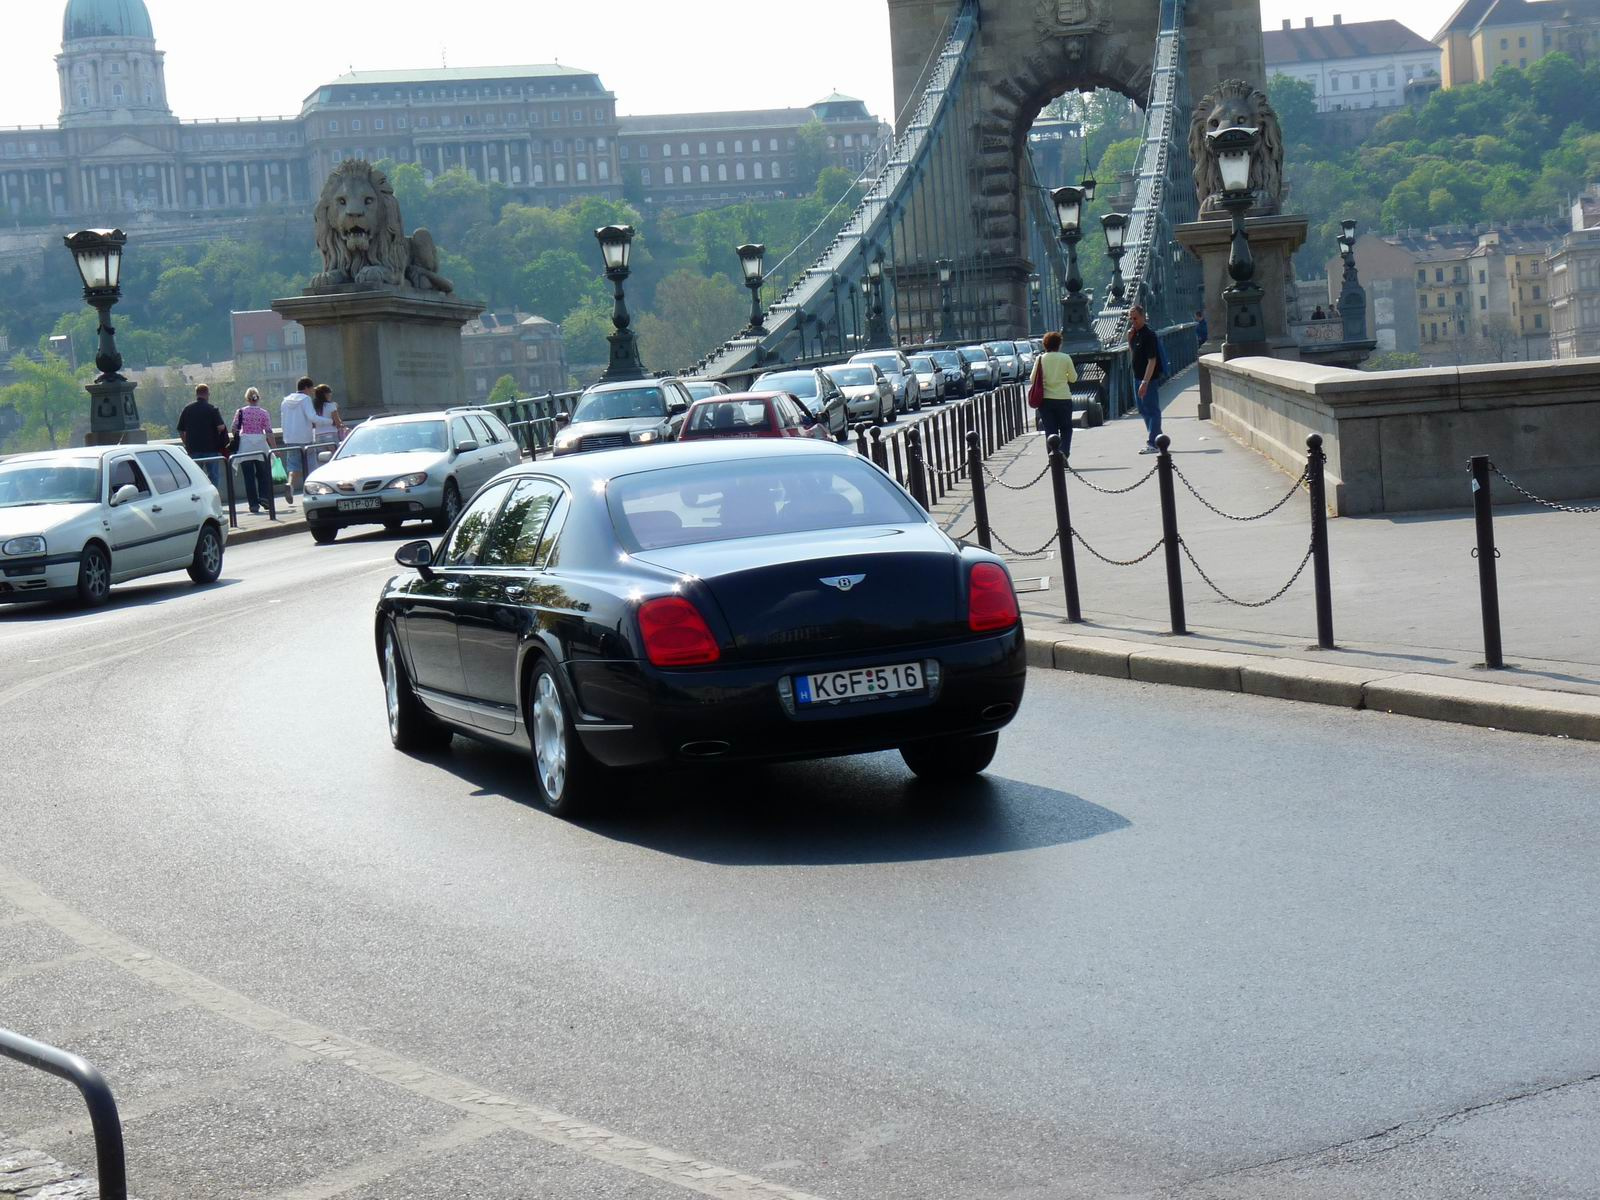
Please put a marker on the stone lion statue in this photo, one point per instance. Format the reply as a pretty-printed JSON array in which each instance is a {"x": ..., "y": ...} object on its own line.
[
  {"x": 362, "y": 239},
  {"x": 1233, "y": 102}
]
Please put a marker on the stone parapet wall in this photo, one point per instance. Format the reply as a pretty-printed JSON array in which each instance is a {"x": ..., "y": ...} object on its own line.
[{"x": 1399, "y": 441}]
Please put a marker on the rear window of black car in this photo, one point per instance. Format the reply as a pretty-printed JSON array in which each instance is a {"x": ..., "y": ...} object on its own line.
[{"x": 716, "y": 502}]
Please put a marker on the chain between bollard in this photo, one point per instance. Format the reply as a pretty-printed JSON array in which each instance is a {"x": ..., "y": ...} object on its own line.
[
  {"x": 1095, "y": 487},
  {"x": 1540, "y": 500},
  {"x": 1211, "y": 583},
  {"x": 1288, "y": 496},
  {"x": 1016, "y": 487},
  {"x": 1010, "y": 549},
  {"x": 1117, "y": 562}
]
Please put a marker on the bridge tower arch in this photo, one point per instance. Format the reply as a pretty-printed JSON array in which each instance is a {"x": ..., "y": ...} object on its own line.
[{"x": 1031, "y": 51}]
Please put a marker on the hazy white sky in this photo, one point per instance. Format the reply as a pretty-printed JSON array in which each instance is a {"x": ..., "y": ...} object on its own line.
[{"x": 233, "y": 58}]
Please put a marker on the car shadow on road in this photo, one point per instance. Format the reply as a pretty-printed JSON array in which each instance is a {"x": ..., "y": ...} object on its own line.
[{"x": 124, "y": 596}]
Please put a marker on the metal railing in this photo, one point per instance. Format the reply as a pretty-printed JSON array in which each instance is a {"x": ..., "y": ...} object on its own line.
[{"x": 110, "y": 1160}]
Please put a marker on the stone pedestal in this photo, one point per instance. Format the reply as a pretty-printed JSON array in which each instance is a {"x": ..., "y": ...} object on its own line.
[
  {"x": 1273, "y": 241},
  {"x": 388, "y": 350}
]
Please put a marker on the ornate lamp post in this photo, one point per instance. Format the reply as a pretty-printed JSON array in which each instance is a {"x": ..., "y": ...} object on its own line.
[
  {"x": 616, "y": 247},
  {"x": 1115, "y": 227},
  {"x": 1352, "y": 296},
  {"x": 877, "y": 322},
  {"x": 113, "y": 414},
  {"x": 1069, "y": 202},
  {"x": 1033, "y": 303},
  {"x": 947, "y": 320},
  {"x": 751, "y": 262},
  {"x": 1233, "y": 149}
]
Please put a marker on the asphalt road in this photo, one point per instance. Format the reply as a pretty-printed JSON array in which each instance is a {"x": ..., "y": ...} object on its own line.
[{"x": 1175, "y": 944}]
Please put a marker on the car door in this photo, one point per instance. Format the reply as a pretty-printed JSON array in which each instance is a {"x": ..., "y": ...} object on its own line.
[
  {"x": 508, "y": 451},
  {"x": 496, "y": 596},
  {"x": 466, "y": 465},
  {"x": 430, "y": 608},
  {"x": 175, "y": 510},
  {"x": 132, "y": 528}
]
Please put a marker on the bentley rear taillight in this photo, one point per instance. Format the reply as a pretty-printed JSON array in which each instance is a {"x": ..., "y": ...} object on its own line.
[
  {"x": 676, "y": 635},
  {"x": 991, "y": 600}
]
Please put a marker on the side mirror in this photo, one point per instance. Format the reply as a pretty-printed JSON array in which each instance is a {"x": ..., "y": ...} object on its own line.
[
  {"x": 325, "y": 456},
  {"x": 676, "y": 408},
  {"x": 418, "y": 556},
  {"x": 126, "y": 494},
  {"x": 466, "y": 447},
  {"x": 563, "y": 420}
]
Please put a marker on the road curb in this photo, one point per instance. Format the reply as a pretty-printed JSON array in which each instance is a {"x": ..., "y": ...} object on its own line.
[
  {"x": 260, "y": 533},
  {"x": 1430, "y": 697}
]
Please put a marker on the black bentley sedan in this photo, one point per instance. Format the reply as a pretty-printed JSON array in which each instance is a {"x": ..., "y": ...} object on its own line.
[{"x": 697, "y": 602}]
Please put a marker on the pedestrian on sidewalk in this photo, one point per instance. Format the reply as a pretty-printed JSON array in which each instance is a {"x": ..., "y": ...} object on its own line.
[
  {"x": 294, "y": 425},
  {"x": 1202, "y": 327},
  {"x": 204, "y": 433},
  {"x": 1146, "y": 350},
  {"x": 253, "y": 425},
  {"x": 1058, "y": 373},
  {"x": 326, "y": 427}
]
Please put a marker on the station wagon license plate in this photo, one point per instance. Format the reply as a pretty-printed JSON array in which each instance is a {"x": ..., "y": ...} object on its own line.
[
  {"x": 862, "y": 683},
  {"x": 364, "y": 505}
]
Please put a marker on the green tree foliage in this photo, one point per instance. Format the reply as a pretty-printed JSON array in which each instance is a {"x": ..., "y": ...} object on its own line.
[
  {"x": 810, "y": 155},
  {"x": 692, "y": 314},
  {"x": 505, "y": 389},
  {"x": 585, "y": 332},
  {"x": 1295, "y": 102},
  {"x": 50, "y": 400}
]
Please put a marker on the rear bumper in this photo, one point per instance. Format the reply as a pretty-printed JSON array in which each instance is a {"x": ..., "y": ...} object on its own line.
[{"x": 636, "y": 715}]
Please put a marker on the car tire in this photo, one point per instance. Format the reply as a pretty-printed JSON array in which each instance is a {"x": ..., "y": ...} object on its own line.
[
  {"x": 94, "y": 576},
  {"x": 954, "y": 758},
  {"x": 565, "y": 778},
  {"x": 392, "y": 526},
  {"x": 322, "y": 535},
  {"x": 894, "y": 414},
  {"x": 206, "y": 566},
  {"x": 449, "y": 507},
  {"x": 412, "y": 728}
]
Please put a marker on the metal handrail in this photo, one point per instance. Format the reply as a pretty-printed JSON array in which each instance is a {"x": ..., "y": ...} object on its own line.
[{"x": 110, "y": 1161}]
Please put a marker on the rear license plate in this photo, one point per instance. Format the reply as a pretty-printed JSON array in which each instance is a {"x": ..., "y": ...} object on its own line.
[
  {"x": 862, "y": 683},
  {"x": 365, "y": 505}
]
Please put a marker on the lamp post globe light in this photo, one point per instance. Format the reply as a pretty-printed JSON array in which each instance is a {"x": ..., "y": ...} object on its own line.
[
  {"x": 1233, "y": 149},
  {"x": 752, "y": 261},
  {"x": 1115, "y": 227},
  {"x": 616, "y": 248},
  {"x": 1352, "y": 296},
  {"x": 947, "y": 320},
  {"x": 1034, "y": 285},
  {"x": 113, "y": 413},
  {"x": 1069, "y": 202}
]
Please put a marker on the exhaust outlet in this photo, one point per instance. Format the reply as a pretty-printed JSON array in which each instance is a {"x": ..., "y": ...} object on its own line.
[
  {"x": 704, "y": 749},
  {"x": 998, "y": 712}
]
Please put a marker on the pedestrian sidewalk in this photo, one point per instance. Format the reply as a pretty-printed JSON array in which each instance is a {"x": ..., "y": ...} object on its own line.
[
  {"x": 257, "y": 527},
  {"x": 1405, "y": 586}
]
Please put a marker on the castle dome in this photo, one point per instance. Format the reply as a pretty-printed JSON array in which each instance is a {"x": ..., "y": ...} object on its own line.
[{"x": 106, "y": 18}]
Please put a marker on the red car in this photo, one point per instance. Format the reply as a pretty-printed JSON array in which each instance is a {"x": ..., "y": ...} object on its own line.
[{"x": 751, "y": 415}]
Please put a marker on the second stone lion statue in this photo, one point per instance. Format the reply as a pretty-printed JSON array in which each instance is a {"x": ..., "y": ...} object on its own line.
[
  {"x": 1233, "y": 102},
  {"x": 362, "y": 239}
]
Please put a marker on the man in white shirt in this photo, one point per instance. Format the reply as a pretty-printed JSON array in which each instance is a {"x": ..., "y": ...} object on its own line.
[{"x": 294, "y": 424}]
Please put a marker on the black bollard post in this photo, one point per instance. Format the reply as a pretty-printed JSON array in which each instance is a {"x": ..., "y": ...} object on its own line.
[
  {"x": 1315, "y": 460},
  {"x": 919, "y": 478},
  {"x": 899, "y": 466},
  {"x": 861, "y": 439},
  {"x": 980, "y": 502},
  {"x": 1169, "y": 533},
  {"x": 1488, "y": 577},
  {"x": 233, "y": 499},
  {"x": 272, "y": 488},
  {"x": 1069, "y": 561},
  {"x": 880, "y": 452}
]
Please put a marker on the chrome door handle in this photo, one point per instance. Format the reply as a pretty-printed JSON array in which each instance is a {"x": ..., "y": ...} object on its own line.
[
  {"x": 452, "y": 588},
  {"x": 155, "y": 508},
  {"x": 516, "y": 593},
  {"x": 195, "y": 498}
]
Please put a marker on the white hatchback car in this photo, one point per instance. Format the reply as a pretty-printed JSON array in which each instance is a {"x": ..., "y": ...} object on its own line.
[{"x": 74, "y": 522}]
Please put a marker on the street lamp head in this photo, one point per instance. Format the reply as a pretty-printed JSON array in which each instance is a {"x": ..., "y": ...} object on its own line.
[
  {"x": 866, "y": 287},
  {"x": 616, "y": 246},
  {"x": 1349, "y": 228},
  {"x": 1233, "y": 148},
  {"x": 947, "y": 270},
  {"x": 875, "y": 265},
  {"x": 1087, "y": 187},
  {"x": 1177, "y": 255},
  {"x": 1069, "y": 208},
  {"x": 752, "y": 258},
  {"x": 98, "y": 253},
  {"x": 1344, "y": 247},
  {"x": 1115, "y": 226},
  {"x": 1033, "y": 284}
]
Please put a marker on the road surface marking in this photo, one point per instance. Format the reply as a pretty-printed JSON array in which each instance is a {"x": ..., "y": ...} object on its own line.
[
  {"x": 547, "y": 1125},
  {"x": 12, "y": 974},
  {"x": 380, "y": 1166}
]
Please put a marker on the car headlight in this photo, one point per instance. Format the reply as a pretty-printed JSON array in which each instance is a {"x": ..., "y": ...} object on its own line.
[
  {"x": 566, "y": 441},
  {"x": 23, "y": 545},
  {"x": 406, "y": 482},
  {"x": 643, "y": 437},
  {"x": 317, "y": 488}
]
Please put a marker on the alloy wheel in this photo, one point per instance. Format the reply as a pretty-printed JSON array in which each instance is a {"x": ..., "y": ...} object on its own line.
[
  {"x": 211, "y": 552},
  {"x": 550, "y": 738},
  {"x": 391, "y": 684}
]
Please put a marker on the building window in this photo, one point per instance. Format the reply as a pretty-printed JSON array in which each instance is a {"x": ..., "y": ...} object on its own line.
[
  {"x": 738, "y": 170},
  {"x": 1538, "y": 320},
  {"x": 668, "y": 175},
  {"x": 1504, "y": 44},
  {"x": 623, "y": 153},
  {"x": 1422, "y": 301},
  {"x": 1438, "y": 274},
  {"x": 644, "y": 175},
  {"x": 582, "y": 171},
  {"x": 1460, "y": 301},
  {"x": 333, "y": 127},
  {"x": 644, "y": 153},
  {"x": 355, "y": 125},
  {"x": 777, "y": 171},
  {"x": 1422, "y": 276},
  {"x": 377, "y": 122},
  {"x": 1483, "y": 276},
  {"x": 599, "y": 116},
  {"x": 561, "y": 172},
  {"x": 683, "y": 149},
  {"x": 758, "y": 171},
  {"x": 705, "y": 173},
  {"x": 1522, "y": 43},
  {"x": 722, "y": 148},
  {"x": 666, "y": 150},
  {"x": 1483, "y": 303},
  {"x": 1538, "y": 293},
  {"x": 738, "y": 146},
  {"x": 772, "y": 144},
  {"x": 555, "y": 116},
  {"x": 602, "y": 170},
  {"x": 577, "y": 116}
]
